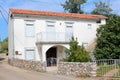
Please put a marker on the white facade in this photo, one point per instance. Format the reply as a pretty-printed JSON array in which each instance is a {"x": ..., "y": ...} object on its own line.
[{"x": 30, "y": 37}]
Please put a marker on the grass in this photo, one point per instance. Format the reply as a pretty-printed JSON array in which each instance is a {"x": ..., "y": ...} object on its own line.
[
  {"x": 117, "y": 74},
  {"x": 103, "y": 69}
]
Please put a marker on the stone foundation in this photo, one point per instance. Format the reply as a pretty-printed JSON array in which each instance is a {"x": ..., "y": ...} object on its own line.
[
  {"x": 28, "y": 64},
  {"x": 77, "y": 68}
]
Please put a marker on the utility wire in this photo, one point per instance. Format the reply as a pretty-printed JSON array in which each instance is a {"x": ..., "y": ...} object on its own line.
[
  {"x": 3, "y": 16},
  {"x": 36, "y": 1},
  {"x": 3, "y": 12},
  {"x": 4, "y": 9}
]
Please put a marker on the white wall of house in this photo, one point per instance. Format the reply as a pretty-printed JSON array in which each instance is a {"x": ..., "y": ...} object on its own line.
[
  {"x": 84, "y": 30},
  {"x": 10, "y": 38}
]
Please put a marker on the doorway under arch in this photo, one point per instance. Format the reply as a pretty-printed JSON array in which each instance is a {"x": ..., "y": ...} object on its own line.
[
  {"x": 54, "y": 54},
  {"x": 51, "y": 56}
]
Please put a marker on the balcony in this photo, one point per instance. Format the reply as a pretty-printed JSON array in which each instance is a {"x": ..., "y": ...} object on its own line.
[{"x": 53, "y": 37}]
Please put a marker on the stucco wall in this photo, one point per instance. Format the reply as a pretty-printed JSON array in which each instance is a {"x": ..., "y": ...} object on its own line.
[
  {"x": 77, "y": 68},
  {"x": 19, "y": 42}
]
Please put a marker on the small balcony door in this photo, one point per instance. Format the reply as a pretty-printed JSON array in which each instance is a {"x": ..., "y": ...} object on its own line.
[
  {"x": 69, "y": 31},
  {"x": 50, "y": 31}
]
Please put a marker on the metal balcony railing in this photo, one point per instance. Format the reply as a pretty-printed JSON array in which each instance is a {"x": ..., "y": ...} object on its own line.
[{"x": 54, "y": 37}]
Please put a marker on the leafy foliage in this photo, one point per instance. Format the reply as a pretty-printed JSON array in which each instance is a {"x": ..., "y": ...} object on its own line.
[
  {"x": 108, "y": 39},
  {"x": 73, "y": 6},
  {"x": 101, "y": 8},
  {"x": 77, "y": 53},
  {"x": 4, "y": 45}
]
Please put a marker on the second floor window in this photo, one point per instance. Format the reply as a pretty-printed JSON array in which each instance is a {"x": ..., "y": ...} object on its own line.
[
  {"x": 68, "y": 30},
  {"x": 50, "y": 26},
  {"x": 29, "y": 28},
  {"x": 69, "y": 27},
  {"x": 89, "y": 26}
]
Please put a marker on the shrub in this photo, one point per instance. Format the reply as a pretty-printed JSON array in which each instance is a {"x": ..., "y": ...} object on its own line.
[{"x": 76, "y": 53}]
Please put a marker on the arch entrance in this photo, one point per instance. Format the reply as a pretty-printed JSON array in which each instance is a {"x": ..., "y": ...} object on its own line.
[
  {"x": 51, "y": 56},
  {"x": 54, "y": 54}
]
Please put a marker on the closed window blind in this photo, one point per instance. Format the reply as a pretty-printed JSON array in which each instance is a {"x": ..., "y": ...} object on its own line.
[{"x": 29, "y": 29}]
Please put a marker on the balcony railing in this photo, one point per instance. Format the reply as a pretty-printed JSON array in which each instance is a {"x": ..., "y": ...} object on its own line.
[{"x": 53, "y": 37}]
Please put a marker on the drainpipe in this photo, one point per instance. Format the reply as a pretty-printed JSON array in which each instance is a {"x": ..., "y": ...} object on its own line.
[{"x": 12, "y": 37}]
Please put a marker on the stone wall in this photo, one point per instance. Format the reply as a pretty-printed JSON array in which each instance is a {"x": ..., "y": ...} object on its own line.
[
  {"x": 77, "y": 68},
  {"x": 28, "y": 64}
]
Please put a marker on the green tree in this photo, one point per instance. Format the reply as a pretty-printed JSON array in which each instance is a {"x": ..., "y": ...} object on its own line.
[
  {"x": 73, "y": 6},
  {"x": 4, "y": 45},
  {"x": 101, "y": 8},
  {"x": 108, "y": 39},
  {"x": 77, "y": 53}
]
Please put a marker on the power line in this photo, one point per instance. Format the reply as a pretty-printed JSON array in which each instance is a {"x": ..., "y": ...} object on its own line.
[
  {"x": 4, "y": 9},
  {"x": 36, "y": 1},
  {"x": 3, "y": 16},
  {"x": 3, "y": 12}
]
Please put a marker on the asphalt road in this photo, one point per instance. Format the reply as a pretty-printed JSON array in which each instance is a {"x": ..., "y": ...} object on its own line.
[{"x": 8, "y": 72}]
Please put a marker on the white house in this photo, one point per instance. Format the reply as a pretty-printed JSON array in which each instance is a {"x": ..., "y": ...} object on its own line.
[{"x": 44, "y": 36}]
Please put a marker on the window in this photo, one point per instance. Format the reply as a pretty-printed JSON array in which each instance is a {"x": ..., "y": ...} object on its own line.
[
  {"x": 29, "y": 28},
  {"x": 89, "y": 26},
  {"x": 29, "y": 53},
  {"x": 98, "y": 21},
  {"x": 50, "y": 30},
  {"x": 84, "y": 44},
  {"x": 50, "y": 26},
  {"x": 69, "y": 27},
  {"x": 68, "y": 31}
]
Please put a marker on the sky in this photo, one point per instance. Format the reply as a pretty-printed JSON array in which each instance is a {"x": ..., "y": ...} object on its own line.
[{"x": 44, "y": 5}]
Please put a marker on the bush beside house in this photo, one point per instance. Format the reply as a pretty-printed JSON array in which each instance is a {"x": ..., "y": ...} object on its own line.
[
  {"x": 78, "y": 62},
  {"x": 76, "y": 53}
]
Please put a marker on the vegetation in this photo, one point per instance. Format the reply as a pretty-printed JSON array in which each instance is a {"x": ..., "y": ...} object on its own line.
[
  {"x": 117, "y": 74},
  {"x": 108, "y": 39},
  {"x": 101, "y": 8},
  {"x": 4, "y": 46},
  {"x": 77, "y": 53},
  {"x": 73, "y": 6},
  {"x": 105, "y": 68}
]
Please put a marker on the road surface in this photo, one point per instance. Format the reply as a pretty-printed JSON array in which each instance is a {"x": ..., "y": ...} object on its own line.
[{"x": 8, "y": 72}]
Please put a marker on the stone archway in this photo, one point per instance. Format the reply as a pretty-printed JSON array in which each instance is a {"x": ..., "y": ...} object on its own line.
[{"x": 54, "y": 54}]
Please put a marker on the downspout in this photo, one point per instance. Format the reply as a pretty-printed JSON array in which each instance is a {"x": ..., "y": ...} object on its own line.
[{"x": 12, "y": 35}]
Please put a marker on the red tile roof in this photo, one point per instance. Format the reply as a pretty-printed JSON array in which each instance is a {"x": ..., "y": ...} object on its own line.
[{"x": 58, "y": 14}]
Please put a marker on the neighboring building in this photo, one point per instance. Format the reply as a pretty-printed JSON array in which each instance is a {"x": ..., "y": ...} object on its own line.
[{"x": 44, "y": 36}]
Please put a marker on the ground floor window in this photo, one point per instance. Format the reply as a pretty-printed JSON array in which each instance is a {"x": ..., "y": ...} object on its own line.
[{"x": 30, "y": 53}]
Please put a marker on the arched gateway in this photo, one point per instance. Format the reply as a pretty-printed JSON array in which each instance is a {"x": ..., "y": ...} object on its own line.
[{"x": 54, "y": 54}]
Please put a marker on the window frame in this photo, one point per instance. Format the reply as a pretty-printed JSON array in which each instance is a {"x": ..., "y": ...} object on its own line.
[
  {"x": 89, "y": 26},
  {"x": 30, "y": 49},
  {"x": 84, "y": 44},
  {"x": 29, "y": 23}
]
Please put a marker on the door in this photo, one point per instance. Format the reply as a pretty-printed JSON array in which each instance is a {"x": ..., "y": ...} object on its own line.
[
  {"x": 69, "y": 31},
  {"x": 50, "y": 31},
  {"x": 51, "y": 56}
]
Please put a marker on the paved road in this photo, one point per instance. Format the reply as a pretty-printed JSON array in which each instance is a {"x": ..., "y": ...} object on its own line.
[{"x": 8, "y": 72}]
